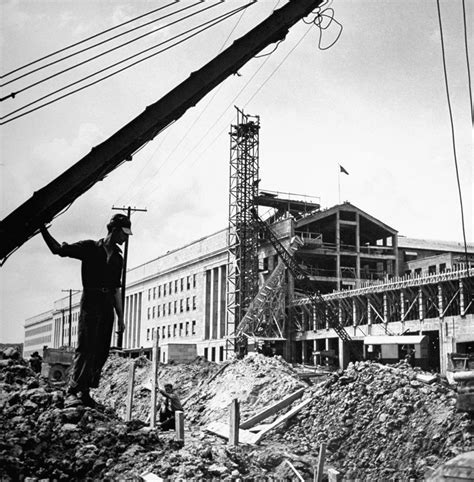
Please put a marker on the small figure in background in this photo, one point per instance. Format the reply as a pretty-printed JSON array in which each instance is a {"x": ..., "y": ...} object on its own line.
[
  {"x": 169, "y": 406},
  {"x": 35, "y": 362}
]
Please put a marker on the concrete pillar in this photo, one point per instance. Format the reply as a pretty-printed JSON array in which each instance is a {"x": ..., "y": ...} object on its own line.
[
  {"x": 385, "y": 308},
  {"x": 461, "y": 298},
  {"x": 357, "y": 250},
  {"x": 326, "y": 316},
  {"x": 344, "y": 354},
  {"x": 354, "y": 313},
  {"x": 369, "y": 318},
  {"x": 402, "y": 305},
  {"x": 440, "y": 300},
  {"x": 421, "y": 307},
  {"x": 338, "y": 249}
]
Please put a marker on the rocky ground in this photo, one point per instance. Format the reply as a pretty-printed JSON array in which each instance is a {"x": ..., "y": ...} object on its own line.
[{"x": 379, "y": 423}]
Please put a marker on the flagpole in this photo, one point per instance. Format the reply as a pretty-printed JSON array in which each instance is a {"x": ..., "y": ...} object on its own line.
[{"x": 339, "y": 184}]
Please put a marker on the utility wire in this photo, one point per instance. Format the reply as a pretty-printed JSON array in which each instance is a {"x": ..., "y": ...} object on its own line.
[
  {"x": 453, "y": 138},
  {"x": 467, "y": 59},
  {"x": 34, "y": 84},
  {"x": 96, "y": 45},
  {"x": 84, "y": 40},
  {"x": 211, "y": 24}
]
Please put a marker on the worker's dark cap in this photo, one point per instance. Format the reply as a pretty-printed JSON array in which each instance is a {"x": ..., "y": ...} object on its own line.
[
  {"x": 121, "y": 221},
  {"x": 168, "y": 385}
]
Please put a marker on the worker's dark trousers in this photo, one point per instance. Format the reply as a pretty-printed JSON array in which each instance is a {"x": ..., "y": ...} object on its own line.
[{"x": 96, "y": 321}]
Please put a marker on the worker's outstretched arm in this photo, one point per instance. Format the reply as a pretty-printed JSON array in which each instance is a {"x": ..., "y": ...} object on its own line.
[
  {"x": 119, "y": 310},
  {"x": 52, "y": 244}
]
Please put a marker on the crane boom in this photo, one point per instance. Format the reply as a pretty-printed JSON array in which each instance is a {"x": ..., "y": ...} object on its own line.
[{"x": 24, "y": 222}]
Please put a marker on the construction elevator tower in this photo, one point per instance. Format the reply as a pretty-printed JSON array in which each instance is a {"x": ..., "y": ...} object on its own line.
[{"x": 242, "y": 269}]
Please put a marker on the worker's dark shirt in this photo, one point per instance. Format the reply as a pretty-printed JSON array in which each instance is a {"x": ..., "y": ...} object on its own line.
[
  {"x": 172, "y": 401},
  {"x": 97, "y": 271}
]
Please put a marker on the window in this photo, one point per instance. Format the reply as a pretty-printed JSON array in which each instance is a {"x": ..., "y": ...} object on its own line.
[
  {"x": 154, "y": 293},
  {"x": 213, "y": 353},
  {"x": 158, "y": 311},
  {"x": 182, "y": 284},
  {"x": 175, "y": 306},
  {"x": 164, "y": 289},
  {"x": 194, "y": 302},
  {"x": 176, "y": 286},
  {"x": 206, "y": 353},
  {"x": 169, "y": 308},
  {"x": 159, "y": 291},
  {"x": 170, "y": 286},
  {"x": 148, "y": 313},
  {"x": 194, "y": 281},
  {"x": 169, "y": 331},
  {"x": 187, "y": 304},
  {"x": 188, "y": 282},
  {"x": 180, "y": 305},
  {"x": 187, "y": 329},
  {"x": 432, "y": 269},
  {"x": 153, "y": 312},
  {"x": 164, "y": 309},
  {"x": 180, "y": 329},
  {"x": 149, "y": 294},
  {"x": 442, "y": 267},
  {"x": 174, "y": 329},
  {"x": 221, "y": 353},
  {"x": 418, "y": 271},
  {"x": 148, "y": 334},
  {"x": 152, "y": 333},
  {"x": 193, "y": 324},
  {"x": 163, "y": 332}
]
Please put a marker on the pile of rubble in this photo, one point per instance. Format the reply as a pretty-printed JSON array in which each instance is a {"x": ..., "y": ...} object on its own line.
[{"x": 380, "y": 422}]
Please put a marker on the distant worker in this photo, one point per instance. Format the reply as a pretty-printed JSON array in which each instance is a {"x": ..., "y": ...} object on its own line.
[
  {"x": 410, "y": 356},
  {"x": 35, "y": 362},
  {"x": 101, "y": 271},
  {"x": 169, "y": 406}
]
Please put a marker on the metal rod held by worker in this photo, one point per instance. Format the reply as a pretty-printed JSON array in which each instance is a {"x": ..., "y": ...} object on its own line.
[
  {"x": 179, "y": 419},
  {"x": 131, "y": 387},
  {"x": 154, "y": 380},
  {"x": 234, "y": 423}
]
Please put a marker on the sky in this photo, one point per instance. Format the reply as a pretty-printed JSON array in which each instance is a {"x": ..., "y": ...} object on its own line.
[{"x": 374, "y": 102}]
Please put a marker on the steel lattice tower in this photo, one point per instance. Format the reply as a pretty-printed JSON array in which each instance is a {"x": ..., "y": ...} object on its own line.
[{"x": 242, "y": 271}]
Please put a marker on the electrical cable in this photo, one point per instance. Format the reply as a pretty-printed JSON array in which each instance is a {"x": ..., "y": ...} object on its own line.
[
  {"x": 212, "y": 23},
  {"x": 85, "y": 40},
  {"x": 150, "y": 178},
  {"x": 96, "y": 45},
  {"x": 467, "y": 59},
  {"x": 453, "y": 137},
  {"x": 95, "y": 57}
]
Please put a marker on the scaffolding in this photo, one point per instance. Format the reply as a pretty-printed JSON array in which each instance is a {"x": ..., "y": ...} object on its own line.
[{"x": 242, "y": 272}]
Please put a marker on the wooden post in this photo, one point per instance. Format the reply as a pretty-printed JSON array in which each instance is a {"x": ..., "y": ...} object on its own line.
[
  {"x": 234, "y": 423},
  {"x": 154, "y": 380},
  {"x": 318, "y": 475},
  {"x": 179, "y": 419},
  {"x": 334, "y": 475},
  {"x": 131, "y": 387}
]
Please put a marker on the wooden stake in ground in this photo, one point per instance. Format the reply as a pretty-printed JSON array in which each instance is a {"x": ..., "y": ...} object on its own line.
[
  {"x": 179, "y": 421},
  {"x": 131, "y": 387},
  {"x": 234, "y": 423},
  {"x": 318, "y": 475},
  {"x": 154, "y": 380}
]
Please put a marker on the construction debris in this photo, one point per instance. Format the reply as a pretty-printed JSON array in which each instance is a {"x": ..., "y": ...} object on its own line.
[{"x": 378, "y": 422}]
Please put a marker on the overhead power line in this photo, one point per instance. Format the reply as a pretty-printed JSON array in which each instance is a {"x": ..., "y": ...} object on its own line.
[
  {"x": 98, "y": 44},
  {"x": 85, "y": 40},
  {"x": 90, "y": 59},
  {"x": 203, "y": 28},
  {"x": 453, "y": 137}
]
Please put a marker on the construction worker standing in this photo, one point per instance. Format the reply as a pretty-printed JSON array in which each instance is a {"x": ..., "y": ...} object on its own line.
[
  {"x": 101, "y": 270},
  {"x": 170, "y": 405}
]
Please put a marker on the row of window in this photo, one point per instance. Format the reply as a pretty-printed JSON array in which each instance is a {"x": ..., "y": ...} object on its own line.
[
  {"x": 160, "y": 310},
  {"x": 173, "y": 331},
  {"x": 36, "y": 331},
  {"x": 167, "y": 288}
]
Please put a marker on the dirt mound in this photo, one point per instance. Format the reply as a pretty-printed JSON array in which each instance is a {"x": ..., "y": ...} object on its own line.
[{"x": 379, "y": 423}]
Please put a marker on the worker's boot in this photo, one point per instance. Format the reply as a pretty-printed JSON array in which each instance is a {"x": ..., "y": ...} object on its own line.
[
  {"x": 88, "y": 401},
  {"x": 72, "y": 399}
]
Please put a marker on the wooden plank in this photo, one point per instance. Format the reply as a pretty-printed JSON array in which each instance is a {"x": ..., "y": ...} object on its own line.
[
  {"x": 131, "y": 386},
  {"x": 426, "y": 378},
  {"x": 222, "y": 430},
  {"x": 179, "y": 418},
  {"x": 318, "y": 476},
  {"x": 151, "y": 477},
  {"x": 282, "y": 419},
  {"x": 271, "y": 410},
  {"x": 292, "y": 467},
  {"x": 154, "y": 381},
  {"x": 234, "y": 423}
]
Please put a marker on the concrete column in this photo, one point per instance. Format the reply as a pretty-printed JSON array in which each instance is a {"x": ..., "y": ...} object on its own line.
[
  {"x": 338, "y": 249},
  {"x": 395, "y": 253},
  {"x": 357, "y": 250},
  {"x": 219, "y": 291},
  {"x": 344, "y": 354},
  {"x": 421, "y": 307},
  {"x": 326, "y": 313},
  {"x": 314, "y": 318},
  {"x": 440, "y": 300},
  {"x": 339, "y": 313},
  {"x": 369, "y": 318},
  {"x": 402, "y": 305},
  {"x": 303, "y": 356},
  {"x": 385, "y": 308},
  {"x": 354, "y": 312},
  {"x": 461, "y": 298},
  {"x": 211, "y": 305}
]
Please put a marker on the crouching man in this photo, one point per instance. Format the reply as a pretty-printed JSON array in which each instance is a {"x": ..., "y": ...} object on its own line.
[{"x": 169, "y": 406}]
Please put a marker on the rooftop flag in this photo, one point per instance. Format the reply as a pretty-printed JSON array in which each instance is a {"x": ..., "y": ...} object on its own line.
[{"x": 343, "y": 170}]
